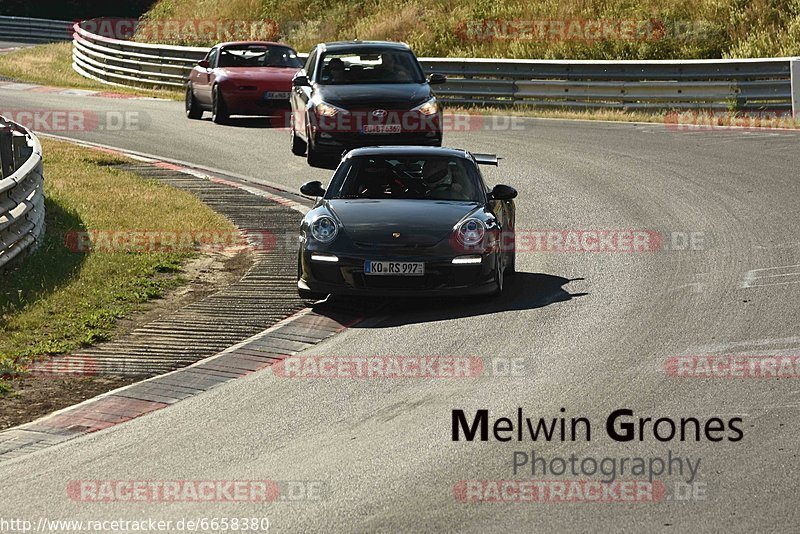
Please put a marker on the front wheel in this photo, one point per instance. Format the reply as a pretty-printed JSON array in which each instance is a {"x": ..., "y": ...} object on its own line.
[
  {"x": 313, "y": 157},
  {"x": 498, "y": 278},
  {"x": 298, "y": 145},
  {"x": 511, "y": 268},
  {"x": 219, "y": 112},
  {"x": 193, "y": 110}
]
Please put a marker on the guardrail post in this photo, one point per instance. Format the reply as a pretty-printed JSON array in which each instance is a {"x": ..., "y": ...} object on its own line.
[
  {"x": 6, "y": 152},
  {"x": 795, "y": 68}
]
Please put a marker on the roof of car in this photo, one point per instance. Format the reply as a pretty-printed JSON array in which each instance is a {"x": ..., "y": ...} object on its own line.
[
  {"x": 356, "y": 45},
  {"x": 408, "y": 150},
  {"x": 255, "y": 43}
]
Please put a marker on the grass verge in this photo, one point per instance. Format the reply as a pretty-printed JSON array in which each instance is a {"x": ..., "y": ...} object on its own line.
[
  {"x": 58, "y": 300},
  {"x": 51, "y": 64},
  {"x": 546, "y": 29}
]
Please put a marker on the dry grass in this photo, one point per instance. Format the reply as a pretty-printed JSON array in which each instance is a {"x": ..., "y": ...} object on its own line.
[
  {"x": 718, "y": 28},
  {"x": 51, "y": 64},
  {"x": 60, "y": 299}
]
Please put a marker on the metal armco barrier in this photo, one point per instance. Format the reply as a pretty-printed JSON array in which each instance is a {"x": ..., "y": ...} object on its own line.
[
  {"x": 21, "y": 191},
  {"x": 727, "y": 84},
  {"x": 121, "y": 62},
  {"x": 27, "y": 30},
  {"x": 743, "y": 84}
]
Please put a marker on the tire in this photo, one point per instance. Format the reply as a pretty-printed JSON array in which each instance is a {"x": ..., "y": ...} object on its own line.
[
  {"x": 313, "y": 157},
  {"x": 193, "y": 109},
  {"x": 219, "y": 112},
  {"x": 498, "y": 279},
  {"x": 298, "y": 145}
]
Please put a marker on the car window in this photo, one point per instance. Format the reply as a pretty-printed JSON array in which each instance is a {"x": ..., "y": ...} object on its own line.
[
  {"x": 310, "y": 62},
  {"x": 383, "y": 66},
  {"x": 259, "y": 56},
  {"x": 430, "y": 178},
  {"x": 212, "y": 57}
]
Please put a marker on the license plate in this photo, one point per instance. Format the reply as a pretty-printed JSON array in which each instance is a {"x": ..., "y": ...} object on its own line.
[
  {"x": 394, "y": 268},
  {"x": 381, "y": 129},
  {"x": 276, "y": 95}
]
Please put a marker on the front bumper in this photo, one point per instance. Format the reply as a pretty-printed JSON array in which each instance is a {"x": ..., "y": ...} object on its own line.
[
  {"x": 442, "y": 277},
  {"x": 253, "y": 103},
  {"x": 336, "y": 143}
]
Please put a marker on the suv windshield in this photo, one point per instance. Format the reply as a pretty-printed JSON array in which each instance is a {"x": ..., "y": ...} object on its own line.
[
  {"x": 433, "y": 178},
  {"x": 386, "y": 66},
  {"x": 258, "y": 56}
]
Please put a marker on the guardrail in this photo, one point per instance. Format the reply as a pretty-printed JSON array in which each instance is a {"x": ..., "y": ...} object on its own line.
[
  {"x": 742, "y": 84},
  {"x": 121, "y": 62},
  {"x": 735, "y": 84},
  {"x": 21, "y": 191},
  {"x": 728, "y": 84},
  {"x": 28, "y": 30}
]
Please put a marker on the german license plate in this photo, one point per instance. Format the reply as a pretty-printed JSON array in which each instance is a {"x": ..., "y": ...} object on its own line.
[
  {"x": 276, "y": 95},
  {"x": 394, "y": 268},
  {"x": 381, "y": 129}
]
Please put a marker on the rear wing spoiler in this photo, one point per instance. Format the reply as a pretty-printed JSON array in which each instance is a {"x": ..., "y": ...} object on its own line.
[{"x": 486, "y": 159}]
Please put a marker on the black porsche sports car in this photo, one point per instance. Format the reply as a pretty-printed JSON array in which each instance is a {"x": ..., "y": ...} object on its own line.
[{"x": 407, "y": 220}]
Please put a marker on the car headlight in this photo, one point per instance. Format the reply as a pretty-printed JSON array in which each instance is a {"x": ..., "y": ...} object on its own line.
[
  {"x": 324, "y": 229},
  {"x": 323, "y": 109},
  {"x": 428, "y": 108},
  {"x": 471, "y": 232}
]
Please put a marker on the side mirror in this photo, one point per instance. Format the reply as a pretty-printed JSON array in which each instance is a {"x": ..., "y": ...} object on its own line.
[
  {"x": 502, "y": 192},
  {"x": 204, "y": 64},
  {"x": 312, "y": 189},
  {"x": 436, "y": 78},
  {"x": 300, "y": 81}
]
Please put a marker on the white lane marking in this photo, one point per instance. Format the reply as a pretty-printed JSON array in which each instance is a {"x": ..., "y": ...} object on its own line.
[
  {"x": 717, "y": 347},
  {"x": 752, "y": 277},
  {"x": 18, "y": 86},
  {"x": 77, "y": 92}
]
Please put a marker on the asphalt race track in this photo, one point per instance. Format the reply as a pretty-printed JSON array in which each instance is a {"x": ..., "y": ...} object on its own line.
[{"x": 593, "y": 331}]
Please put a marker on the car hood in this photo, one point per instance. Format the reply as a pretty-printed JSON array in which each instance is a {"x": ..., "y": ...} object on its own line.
[
  {"x": 419, "y": 222},
  {"x": 390, "y": 95}
]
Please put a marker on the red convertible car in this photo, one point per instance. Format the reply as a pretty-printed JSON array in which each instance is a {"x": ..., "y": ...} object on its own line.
[{"x": 242, "y": 78}]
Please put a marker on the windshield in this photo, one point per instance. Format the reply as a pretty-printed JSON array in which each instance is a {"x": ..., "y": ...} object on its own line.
[
  {"x": 380, "y": 67},
  {"x": 383, "y": 177},
  {"x": 258, "y": 56}
]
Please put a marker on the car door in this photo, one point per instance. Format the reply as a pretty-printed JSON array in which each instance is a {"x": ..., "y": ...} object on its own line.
[
  {"x": 205, "y": 78},
  {"x": 301, "y": 95}
]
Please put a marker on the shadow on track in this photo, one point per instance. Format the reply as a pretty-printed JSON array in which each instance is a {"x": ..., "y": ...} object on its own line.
[
  {"x": 273, "y": 123},
  {"x": 523, "y": 291}
]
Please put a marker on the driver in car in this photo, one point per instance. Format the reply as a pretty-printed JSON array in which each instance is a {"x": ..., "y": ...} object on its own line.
[
  {"x": 394, "y": 69},
  {"x": 336, "y": 69},
  {"x": 438, "y": 179}
]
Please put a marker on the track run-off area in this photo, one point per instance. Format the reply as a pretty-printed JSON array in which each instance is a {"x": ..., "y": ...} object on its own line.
[{"x": 589, "y": 332}]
